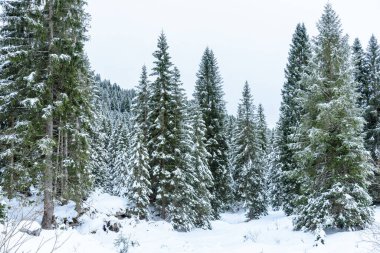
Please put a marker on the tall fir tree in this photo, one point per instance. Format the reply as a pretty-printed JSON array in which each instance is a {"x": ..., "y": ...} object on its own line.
[
  {"x": 204, "y": 179},
  {"x": 66, "y": 105},
  {"x": 168, "y": 143},
  {"x": 139, "y": 179},
  {"x": 184, "y": 178},
  {"x": 209, "y": 96},
  {"x": 368, "y": 88},
  {"x": 51, "y": 73},
  {"x": 372, "y": 114},
  {"x": 18, "y": 96},
  {"x": 332, "y": 155},
  {"x": 361, "y": 74},
  {"x": 290, "y": 112},
  {"x": 249, "y": 170},
  {"x": 161, "y": 119}
]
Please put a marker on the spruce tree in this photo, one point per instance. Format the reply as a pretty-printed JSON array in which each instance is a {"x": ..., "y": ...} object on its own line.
[
  {"x": 18, "y": 96},
  {"x": 163, "y": 140},
  {"x": 368, "y": 88},
  {"x": 372, "y": 113},
  {"x": 139, "y": 187},
  {"x": 290, "y": 112},
  {"x": 49, "y": 69},
  {"x": 209, "y": 96},
  {"x": 204, "y": 179},
  {"x": 139, "y": 179},
  {"x": 332, "y": 155},
  {"x": 249, "y": 169},
  {"x": 361, "y": 74},
  {"x": 184, "y": 196}
]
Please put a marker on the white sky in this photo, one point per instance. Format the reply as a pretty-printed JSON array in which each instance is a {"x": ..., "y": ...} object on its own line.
[{"x": 250, "y": 39}]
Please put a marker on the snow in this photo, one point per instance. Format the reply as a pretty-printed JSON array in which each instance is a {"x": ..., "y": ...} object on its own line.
[{"x": 232, "y": 233}]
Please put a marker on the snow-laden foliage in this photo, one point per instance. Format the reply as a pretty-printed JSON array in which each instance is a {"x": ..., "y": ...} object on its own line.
[
  {"x": 290, "y": 112},
  {"x": 209, "y": 96},
  {"x": 332, "y": 159},
  {"x": 249, "y": 171},
  {"x": 137, "y": 180},
  {"x": 110, "y": 133}
]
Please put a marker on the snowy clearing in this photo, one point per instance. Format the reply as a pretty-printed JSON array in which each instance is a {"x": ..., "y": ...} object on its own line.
[{"x": 272, "y": 233}]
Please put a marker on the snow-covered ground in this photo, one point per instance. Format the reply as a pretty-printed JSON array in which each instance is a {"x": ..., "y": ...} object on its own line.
[{"x": 270, "y": 234}]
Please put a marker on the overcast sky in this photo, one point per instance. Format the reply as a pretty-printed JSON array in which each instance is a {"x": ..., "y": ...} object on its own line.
[{"x": 250, "y": 39}]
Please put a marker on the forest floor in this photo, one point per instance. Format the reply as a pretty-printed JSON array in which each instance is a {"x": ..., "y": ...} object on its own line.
[{"x": 270, "y": 234}]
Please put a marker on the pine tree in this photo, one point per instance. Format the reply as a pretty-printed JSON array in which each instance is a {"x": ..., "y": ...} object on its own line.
[
  {"x": 332, "y": 155},
  {"x": 367, "y": 88},
  {"x": 361, "y": 74},
  {"x": 184, "y": 197},
  {"x": 372, "y": 114},
  {"x": 209, "y": 96},
  {"x": 43, "y": 47},
  {"x": 250, "y": 178},
  {"x": 18, "y": 96},
  {"x": 139, "y": 178},
  {"x": 162, "y": 137},
  {"x": 290, "y": 112},
  {"x": 204, "y": 179}
]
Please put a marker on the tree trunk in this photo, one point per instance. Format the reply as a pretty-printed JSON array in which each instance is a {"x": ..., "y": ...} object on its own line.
[
  {"x": 58, "y": 168},
  {"x": 65, "y": 176},
  {"x": 10, "y": 189},
  {"x": 48, "y": 216}
]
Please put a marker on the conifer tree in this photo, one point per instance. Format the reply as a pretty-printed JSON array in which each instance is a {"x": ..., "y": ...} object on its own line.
[
  {"x": 139, "y": 179},
  {"x": 18, "y": 96},
  {"x": 49, "y": 68},
  {"x": 332, "y": 155},
  {"x": 204, "y": 179},
  {"x": 361, "y": 74},
  {"x": 184, "y": 196},
  {"x": 209, "y": 96},
  {"x": 290, "y": 112},
  {"x": 372, "y": 113},
  {"x": 250, "y": 178},
  {"x": 139, "y": 187},
  {"x": 162, "y": 137},
  {"x": 66, "y": 107},
  {"x": 367, "y": 88}
]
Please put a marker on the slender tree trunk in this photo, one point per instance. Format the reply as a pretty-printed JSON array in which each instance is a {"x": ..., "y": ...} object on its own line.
[
  {"x": 58, "y": 169},
  {"x": 10, "y": 190},
  {"x": 48, "y": 216},
  {"x": 47, "y": 219},
  {"x": 65, "y": 176},
  {"x": 78, "y": 193}
]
